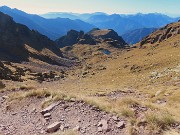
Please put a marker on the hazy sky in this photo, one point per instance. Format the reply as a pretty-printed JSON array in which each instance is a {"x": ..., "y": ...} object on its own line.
[{"x": 86, "y": 6}]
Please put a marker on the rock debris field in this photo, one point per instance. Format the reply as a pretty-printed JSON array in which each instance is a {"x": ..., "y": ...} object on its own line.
[{"x": 26, "y": 117}]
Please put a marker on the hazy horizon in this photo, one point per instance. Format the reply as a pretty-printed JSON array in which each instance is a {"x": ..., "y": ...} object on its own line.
[{"x": 110, "y": 7}]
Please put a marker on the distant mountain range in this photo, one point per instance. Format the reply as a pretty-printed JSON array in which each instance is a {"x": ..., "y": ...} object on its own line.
[
  {"x": 57, "y": 24},
  {"x": 135, "y": 36},
  {"x": 124, "y": 23},
  {"x": 72, "y": 16},
  {"x": 53, "y": 28},
  {"x": 131, "y": 27}
]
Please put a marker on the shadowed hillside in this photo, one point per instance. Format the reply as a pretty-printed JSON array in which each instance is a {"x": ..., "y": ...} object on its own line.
[{"x": 18, "y": 43}]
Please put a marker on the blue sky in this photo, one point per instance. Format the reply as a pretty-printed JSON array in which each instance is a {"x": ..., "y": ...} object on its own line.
[{"x": 171, "y": 7}]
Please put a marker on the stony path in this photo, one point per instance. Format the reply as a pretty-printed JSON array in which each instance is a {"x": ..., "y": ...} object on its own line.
[{"x": 25, "y": 117}]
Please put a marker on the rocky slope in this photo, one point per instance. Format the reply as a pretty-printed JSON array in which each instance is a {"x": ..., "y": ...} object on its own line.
[
  {"x": 162, "y": 34},
  {"x": 18, "y": 43}
]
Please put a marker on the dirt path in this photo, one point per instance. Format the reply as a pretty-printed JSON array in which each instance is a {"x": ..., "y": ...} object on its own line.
[{"x": 24, "y": 118}]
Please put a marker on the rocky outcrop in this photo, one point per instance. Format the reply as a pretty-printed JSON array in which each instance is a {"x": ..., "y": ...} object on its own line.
[
  {"x": 108, "y": 35},
  {"x": 9, "y": 74},
  {"x": 162, "y": 34},
  {"x": 93, "y": 37},
  {"x": 14, "y": 39},
  {"x": 75, "y": 37}
]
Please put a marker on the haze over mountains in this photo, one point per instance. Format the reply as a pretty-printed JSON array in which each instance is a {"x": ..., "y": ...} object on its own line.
[
  {"x": 57, "y": 24},
  {"x": 53, "y": 28}
]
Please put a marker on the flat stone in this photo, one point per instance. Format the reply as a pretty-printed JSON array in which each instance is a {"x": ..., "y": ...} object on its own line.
[
  {"x": 49, "y": 108},
  {"x": 46, "y": 115},
  {"x": 53, "y": 127}
]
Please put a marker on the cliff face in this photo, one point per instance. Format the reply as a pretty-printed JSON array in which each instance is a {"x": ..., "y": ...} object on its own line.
[
  {"x": 14, "y": 39},
  {"x": 162, "y": 34}
]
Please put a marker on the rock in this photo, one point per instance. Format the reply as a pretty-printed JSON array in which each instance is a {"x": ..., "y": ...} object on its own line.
[
  {"x": 5, "y": 97},
  {"x": 121, "y": 124},
  {"x": 115, "y": 118},
  {"x": 72, "y": 99},
  {"x": 53, "y": 127},
  {"x": 83, "y": 130},
  {"x": 100, "y": 129},
  {"x": 49, "y": 108},
  {"x": 103, "y": 125},
  {"x": 33, "y": 110},
  {"x": 46, "y": 115},
  {"x": 77, "y": 128},
  {"x": 61, "y": 127}
]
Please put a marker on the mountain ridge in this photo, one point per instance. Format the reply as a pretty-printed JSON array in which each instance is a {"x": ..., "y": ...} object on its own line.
[{"x": 53, "y": 28}]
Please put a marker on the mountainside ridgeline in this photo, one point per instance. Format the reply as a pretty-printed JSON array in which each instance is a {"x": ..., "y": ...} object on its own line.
[
  {"x": 162, "y": 34},
  {"x": 18, "y": 43}
]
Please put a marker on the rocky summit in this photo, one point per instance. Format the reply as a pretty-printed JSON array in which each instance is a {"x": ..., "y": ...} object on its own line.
[
  {"x": 93, "y": 37},
  {"x": 75, "y": 37},
  {"x": 107, "y": 34}
]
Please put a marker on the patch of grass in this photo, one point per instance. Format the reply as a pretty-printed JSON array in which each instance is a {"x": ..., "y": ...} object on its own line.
[
  {"x": 26, "y": 87},
  {"x": 128, "y": 101},
  {"x": 126, "y": 112},
  {"x": 38, "y": 93},
  {"x": 53, "y": 98},
  {"x": 159, "y": 120},
  {"x": 100, "y": 103}
]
